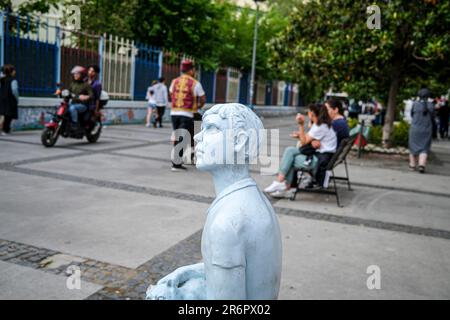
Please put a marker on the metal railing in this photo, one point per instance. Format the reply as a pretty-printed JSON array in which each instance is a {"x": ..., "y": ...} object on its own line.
[{"x": 44, "y": 53}]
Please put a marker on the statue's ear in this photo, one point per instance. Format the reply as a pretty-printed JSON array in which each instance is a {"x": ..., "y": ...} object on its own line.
[{"x": 241, "y": 140}]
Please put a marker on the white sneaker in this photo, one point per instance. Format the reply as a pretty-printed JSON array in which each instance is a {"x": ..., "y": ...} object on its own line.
[
  {"x": 283, "y": 194},
  {"x": 275, "y": 186},
  {"x": 2, "y": 134}
]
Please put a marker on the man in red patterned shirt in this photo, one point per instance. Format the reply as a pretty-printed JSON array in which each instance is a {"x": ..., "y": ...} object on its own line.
[{"x": 188, "y": 97}]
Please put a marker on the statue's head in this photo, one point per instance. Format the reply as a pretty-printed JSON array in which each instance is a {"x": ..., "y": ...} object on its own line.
[{"x": 231, "y": 135}]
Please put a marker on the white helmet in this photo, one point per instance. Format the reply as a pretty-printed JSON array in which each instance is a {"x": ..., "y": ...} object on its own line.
[{"x": 78, "y": 69}]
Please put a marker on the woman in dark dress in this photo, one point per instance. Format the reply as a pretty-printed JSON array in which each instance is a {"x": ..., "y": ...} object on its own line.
[
  {"x": 9, "y": 97},
  {"x": 421, "y": 131}
]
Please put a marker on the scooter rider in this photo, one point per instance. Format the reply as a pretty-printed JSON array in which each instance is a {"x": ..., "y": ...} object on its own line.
[{"x": 82, "y": 94}]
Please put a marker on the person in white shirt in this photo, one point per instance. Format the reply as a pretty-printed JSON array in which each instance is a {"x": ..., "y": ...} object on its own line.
[
  {"x": 321, "y": 130},
  {"x": 151, "y": 104},
  {"x": 161, "y": 97}
]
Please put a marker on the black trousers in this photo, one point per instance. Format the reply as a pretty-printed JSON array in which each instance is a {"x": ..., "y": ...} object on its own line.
[
  {"x": 324, "y": 159},
  {"x": 182, "y": 122},
  {"x": 443, "y": 127},
  {"x": 161, "y": 111},
  {"x": 7, "y": 124}
]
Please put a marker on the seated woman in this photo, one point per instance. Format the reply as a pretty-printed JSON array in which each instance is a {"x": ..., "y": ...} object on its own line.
[
  {"x": 339, "y": 123},
  {"x": 322, "y": 131}
]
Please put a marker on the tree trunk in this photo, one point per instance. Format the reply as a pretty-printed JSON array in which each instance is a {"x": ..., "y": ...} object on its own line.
[{"x": 392, "y": 103}]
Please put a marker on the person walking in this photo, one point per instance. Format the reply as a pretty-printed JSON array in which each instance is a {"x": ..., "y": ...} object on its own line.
[
  {"x": 161, "y": 99},
  {"x": 151, "y": 104},
  {"x": 421, "y": 131},
  {"x": 444, "y": 115},
  {"x": 187, "y": 97},
  {"x": 9, "y": 97}
]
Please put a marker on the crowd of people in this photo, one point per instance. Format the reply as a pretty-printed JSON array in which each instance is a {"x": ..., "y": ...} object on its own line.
[
  {"x": 368, "y": 106},
  {"x": 327, "y": 122}
]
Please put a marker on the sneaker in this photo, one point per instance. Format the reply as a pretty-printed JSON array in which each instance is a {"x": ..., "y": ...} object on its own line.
[
  {"x": 96, "y": 128},
  {"x": 313, "y": 186},
  {"x": 3, "y": 134},
  {"x": 306, "y": 181},
  {"x": 421, "y": 169},
  {"x": 283, "y": 194},
  {"x": 148, "y": 125},
  {"x": 178, "y": 168},
  {"x": 275, "y": 186}
]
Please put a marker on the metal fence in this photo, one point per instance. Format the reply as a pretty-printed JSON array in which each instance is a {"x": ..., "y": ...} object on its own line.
[
  {"x": 244, "y": 86},
  {"x": 208, "y": 80},
  {"x": 148, "y": 61},
  {"x": 281, "y": 93},
  {"x": 30, "y": 44},
  {"x": 260, "y": 92},
  {"x": 43, "y": 53},
  {"x": 233, "y": 76},
  {"x": 118, "y": 59},
  {"x": 221, "y": 85},
  {"x": 77, "y": 48}
]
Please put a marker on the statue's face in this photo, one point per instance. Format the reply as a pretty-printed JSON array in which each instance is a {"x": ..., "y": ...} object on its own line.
[{"x": 211, "y": 143}]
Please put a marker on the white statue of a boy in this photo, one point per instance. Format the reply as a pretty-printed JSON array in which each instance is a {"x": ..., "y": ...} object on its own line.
[{"x": 241, "y": 241}]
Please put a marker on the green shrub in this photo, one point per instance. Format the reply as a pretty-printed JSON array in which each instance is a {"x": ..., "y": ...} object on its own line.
[
  {"x": 352, "y": 123},
  {"x": 376, "y": 134},
  {"x": 400, "y": 134}
]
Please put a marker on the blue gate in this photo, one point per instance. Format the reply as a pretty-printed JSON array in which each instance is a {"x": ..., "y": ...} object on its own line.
[
  {"x": 268, "y": 101},
  {"x": 287, "y": 93},
  {"x": 243, "y": 89},
  {"x": 208, "y": 80},
  {"x": 146, "y": 69},
  {"x": 35, "y": 59}
]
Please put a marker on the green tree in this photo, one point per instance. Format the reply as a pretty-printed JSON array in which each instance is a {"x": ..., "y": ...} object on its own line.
[
  {"x": 237, "y": 29},
  {"x": 106, "y": 16},
  {"x": 328, "y": 43},
  {"x": 30, "y": 7}
]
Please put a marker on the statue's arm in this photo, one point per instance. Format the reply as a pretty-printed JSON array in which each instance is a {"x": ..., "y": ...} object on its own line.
[
  {"x": 226, "y": 274},
  {"x": 183, "y": 274}
]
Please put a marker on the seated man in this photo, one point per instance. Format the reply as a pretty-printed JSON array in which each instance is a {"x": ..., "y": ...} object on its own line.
[
  {"x": 82, "y": 92},
  {"x": 241, "y": 242}
]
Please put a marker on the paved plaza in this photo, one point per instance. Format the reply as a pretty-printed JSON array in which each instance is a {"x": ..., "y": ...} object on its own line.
[{"x": 115, "y": 210}]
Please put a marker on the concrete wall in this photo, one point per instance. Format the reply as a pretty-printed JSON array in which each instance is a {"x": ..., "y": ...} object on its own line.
[{"x": 34, "y": 112}]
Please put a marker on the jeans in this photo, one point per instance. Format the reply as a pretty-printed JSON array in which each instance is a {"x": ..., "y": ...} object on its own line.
[
  {"x": 292, "y": 160},
  {"x": 75, "y": 109}
]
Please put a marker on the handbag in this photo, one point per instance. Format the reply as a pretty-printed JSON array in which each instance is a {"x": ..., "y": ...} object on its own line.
[{"x": 307, "y": 150}]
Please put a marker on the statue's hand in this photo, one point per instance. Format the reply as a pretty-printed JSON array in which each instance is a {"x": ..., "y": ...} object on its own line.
[
  {"x": 161, "y": 292},
  {"x": 183, "y": 274},
  {"x": 185, "y": 283}
]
